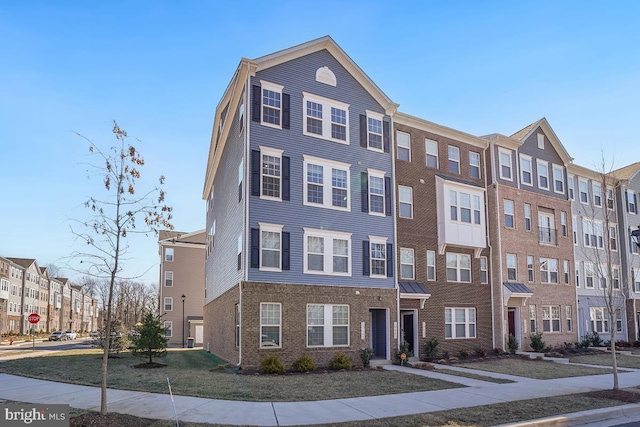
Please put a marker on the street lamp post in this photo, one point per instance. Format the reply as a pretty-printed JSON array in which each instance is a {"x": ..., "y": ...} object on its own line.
[{"x": 183, "y": 298}]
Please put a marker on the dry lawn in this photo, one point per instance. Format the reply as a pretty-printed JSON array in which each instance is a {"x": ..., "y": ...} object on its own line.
[
  {"x": 198, "y": 373},
  {"x": 604, "y": 359},
  {"x": 535, "y": 369}
]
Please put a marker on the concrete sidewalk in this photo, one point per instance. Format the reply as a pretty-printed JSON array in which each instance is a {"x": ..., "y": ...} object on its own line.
[{"x": 195, "y": 409}]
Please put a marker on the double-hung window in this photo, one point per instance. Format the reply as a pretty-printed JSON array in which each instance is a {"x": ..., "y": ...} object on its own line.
[
  {"x": 584, "y": 192},
  {"x": 168, "y": 278},
  {"x": 550, "y": 318},
  {"x": 593, "y": 233},
  {"x": 484, "y": 270},
  {"x": 512, "y": 267},
  {"x": 613, "y": 238},
  {"x": 569, "y": 318},
  {"x": 327, "y": 252},
  {"x": 431, "y": 148},
  {"x": 571, "y": 186},
  {"x": 558, "y": 178},
  {"x": 474, "y": 164},
  {"x": 270, "y": 247},
  {"x": 327, "y": 325},
  {"x": 326, "y": 118},
  {"x": 527, "y": 217},
  {"x": 597, "y": 194},
  {"x": 609, "y": 196},
  {"x": 327, "y": 183},
  {"x": 407, "y": 263},
  {"x": 168, "y": 254},
  {"x": 404, "y": 146},
  {"x": 168, "y": 328},
  {"x": 526, "y": 174},
  {"x": 378, "y": 255},
  {"x": 588, "y": 274},
  {"x": 168, "y": 304},
  {"x": 508, "y": 213},
  {"x": 270, "y": 325},
  {"x": 431, "y": 266},
  {"x": 599, "y": 319},
  {"x": 565, "y": 271},
  {"x": 635, "y": 277},
  {"x": 405, "y": 200},
  {"x": 459, "y": 323},
  {"x": 543, "y": 174},
  {"x": 532, "y": 318},
  {"x": 270, "y": 173},
  {"x": 376, "y": 193},
  {"x": 563, "y": 223},
  {"x": 504, "y": 157},
  {"x": 548, "y": 270},
  {"x": 454, "y": 159},
  {"x": 271, "y": 104},
  {"x": 632, "y": 206},
  {"x": 530, "y": 273},
  {"x": 458, "y": 267},
  {"x": 374, "y": 131}
]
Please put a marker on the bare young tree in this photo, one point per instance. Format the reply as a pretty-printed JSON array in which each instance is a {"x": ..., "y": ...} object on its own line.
[
  {"x": 603, "y": 253},
  {"x": 114, "y": 217}
]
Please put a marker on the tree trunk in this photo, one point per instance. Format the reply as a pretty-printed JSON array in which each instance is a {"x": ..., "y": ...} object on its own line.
[{"x": 614, "y": 359}]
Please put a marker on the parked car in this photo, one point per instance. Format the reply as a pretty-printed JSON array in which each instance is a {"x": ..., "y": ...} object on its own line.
[
  {"x": 95, "y": 334},
  {"x": 70, "y": 335},
  {"x": 57, "y": 336}
]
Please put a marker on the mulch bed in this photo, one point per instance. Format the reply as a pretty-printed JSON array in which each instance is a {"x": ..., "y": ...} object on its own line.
[
  {"x": 147, "y": 365},
  {"x": 621, "y": 395}
]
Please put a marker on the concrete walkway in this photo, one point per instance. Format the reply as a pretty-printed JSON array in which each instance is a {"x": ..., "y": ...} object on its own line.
[{"x": 195, "y": 409}]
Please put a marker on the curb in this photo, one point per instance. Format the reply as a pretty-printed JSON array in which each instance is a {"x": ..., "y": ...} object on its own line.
[{"x": 581, "y": 418}]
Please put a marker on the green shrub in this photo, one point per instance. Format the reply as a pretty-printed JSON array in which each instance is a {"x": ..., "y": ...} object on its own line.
[
  {"x": 537, "y": 344},
  {"x": 596, "y": 340},
  {"x": 431, "y": 349},
  {"x": 404, "y": 349},
  {"x": 272, "y": 365},
  {"x": 513, "y": 344},
  {"x": 303, "y": 364},
  {"x": 463, "y": 354},
  {"x": 366, "y": 354},
  {"x": 340, "y": 361}
]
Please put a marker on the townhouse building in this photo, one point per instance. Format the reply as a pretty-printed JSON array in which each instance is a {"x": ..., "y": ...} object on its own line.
[
  {"x": 597, "y": 252},
  {"x": 30, "y": 288},
  {"x": 43, "y": 301},
  {"x": 14, "y": 303},
  {"x": 531, "y": 237},
  {"x": 300, "y": 255},
  {"x": 5, "y": 285},
  {"x": 66, "y": 320},
  {"x": 182, "y": 290},
  {"x": 443, "y": 252},
  {"x": 626, "y": 187},
  {"x": 55, "y": 304}
]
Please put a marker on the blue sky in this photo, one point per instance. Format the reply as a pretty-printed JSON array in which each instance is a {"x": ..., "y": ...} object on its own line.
[{"x": 159, "y": 68}]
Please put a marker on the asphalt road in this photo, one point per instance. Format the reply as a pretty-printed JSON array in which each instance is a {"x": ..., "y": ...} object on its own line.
[{"x": 43, "y": 345}]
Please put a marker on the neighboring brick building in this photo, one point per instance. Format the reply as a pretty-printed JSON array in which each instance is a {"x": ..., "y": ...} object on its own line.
[
  {"x": 531, "y": 237},
  {"x": 445, "y": 291}
]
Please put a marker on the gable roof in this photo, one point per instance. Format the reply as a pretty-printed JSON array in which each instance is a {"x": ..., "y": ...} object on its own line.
[
  {"x": 23, "y": 262},
  {"x": 544, "y": 125},
  {"x": 626, "y": 173},
  {"x": 248, "y": 67}
]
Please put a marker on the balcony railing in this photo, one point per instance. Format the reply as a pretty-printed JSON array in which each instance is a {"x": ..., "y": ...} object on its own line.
[{"x": 548, "y": 236}]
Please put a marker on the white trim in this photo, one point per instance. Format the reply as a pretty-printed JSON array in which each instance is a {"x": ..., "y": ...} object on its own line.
[
  {"x": 279, "y": 325},
  {"x": 380, "y": 118},
  {"x": 436, "y": 154},
  {"x": 377, "y": 174},
  {"x": 522, "y": 170},
  {"x": 509, "y": 153},
  {"x": 273, "y": 87},
  {"x": 467, "y": 323},
  {"x": 379, "y": 241},
  {"x": 327, "y": 254},
  {"x": 272, "y": 152},
  {"x": 270, "y": 228},
  {"x": 327, "y": 182},
  {"x": 412, "y": 264},
  {"x": 327, "y": 104},
  {"x": 401, "y": 202},
  {"x": 558, "y": 168},
  {"x": 328, "y": 325},
  {"x": 408, "y": 147},
  {"x": 539, "y": 165}
]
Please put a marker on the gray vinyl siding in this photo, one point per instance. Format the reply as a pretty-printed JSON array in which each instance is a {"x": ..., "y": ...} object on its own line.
[
  {"x": 221, "y": 266},
  {"x": 626, "y": 224},
  {"x": 298, "y": 76},
  {"x": 550, "y": 155}
]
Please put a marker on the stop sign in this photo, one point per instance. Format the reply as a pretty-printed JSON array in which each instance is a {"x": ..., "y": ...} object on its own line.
[{"x": 34, "y": 318}]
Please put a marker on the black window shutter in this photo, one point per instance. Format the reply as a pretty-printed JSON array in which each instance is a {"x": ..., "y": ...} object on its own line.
[
  {"x": 365, "y": 258},
  {"x": 364, "y": 191},
  {"x": 286, "y": 180},
  {"x": 635, "y": 203},
  {"x": 240, "y": 192},
  {"x": 255, "y": 172},
  {"x": 387, "y": 195},
  {"x": 626, "y": 200},
  {"x": 255, "y": 248},
  {"x": 389, "y": 260},
  {"x": 363, "y": 130},
  {"x": 239, "y": 260},
  {"x": 386, "y": 136},
  {"x": 286, "y": 250},
  {"x": 256, "y": 104},
  {"x": 285, "y": 111}
]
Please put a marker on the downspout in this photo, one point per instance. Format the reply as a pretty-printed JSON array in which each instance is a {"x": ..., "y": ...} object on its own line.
[
  {"x": 246, "y": 249},
  {"x": 490, "y": 270},
  {"x": 395, "y": 235},
  {"x": 499, "y": 237}
]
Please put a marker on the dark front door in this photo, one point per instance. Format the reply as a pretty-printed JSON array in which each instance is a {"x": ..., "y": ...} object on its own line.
[
  {"x": 408, "y": 332},
  {"x": 379, "y": 332},
  {"x": 512, "y": 321}
]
